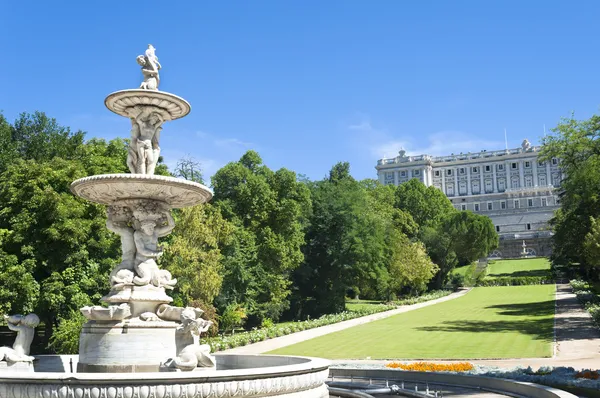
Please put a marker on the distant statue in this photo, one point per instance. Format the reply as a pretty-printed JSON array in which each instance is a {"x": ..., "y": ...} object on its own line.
[
  {"x": 402, "y": 153},
  {"x": 150, "y": 67},
  {"x": 526, "y": 145},
  {"x": 195, "y": 354},
  {"x": 24, "y": 326},
  {"x": 148, "y": 229}
]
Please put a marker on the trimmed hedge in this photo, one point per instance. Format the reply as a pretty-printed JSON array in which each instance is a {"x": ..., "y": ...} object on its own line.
[{"x": 515, "y": 281}]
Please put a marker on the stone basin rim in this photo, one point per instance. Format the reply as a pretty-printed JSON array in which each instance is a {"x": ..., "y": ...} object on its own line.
[
  {"x": 308, "y": 365},
  {"x": 201, "y": 192},
  {"x": 111, "y": 98}
]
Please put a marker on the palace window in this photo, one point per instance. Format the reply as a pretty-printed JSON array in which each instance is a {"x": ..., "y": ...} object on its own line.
[
  {"x": 500, "y": 167},
  {"x": 449, "y": 172},
  {"x": 514, "y": 165},
  {"x": 528, "y": 181},
  {"x": 463, "y": 207},
  {"x": 544, "y": 202},
  {"x": 490, "y": 206},
  {"x": 530, "y": 202},
  {"x": 527, "y": 165},
  {"x": 541, "y": 164},
  {"x": 437, "y": 173},
  {"x": 475, "y": 170},
  {"x": 516, "y": 202},
  {"x": 554, "y": 161},
  {"x": 461, "y": 170},
  {"x": 528, "y": 226},
  {"x": 497, "y": 228},
  {"x": 403, "y": 174},
  {"x": 417, "y": 172},
  {"x": 476, "y": 206},
  {"x": 488, "y": 168},
  {"x": 542, "y": 180},
  {"x": 503, "y": 205}
]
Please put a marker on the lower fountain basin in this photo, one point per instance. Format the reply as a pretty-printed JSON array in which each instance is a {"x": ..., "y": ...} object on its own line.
[{"x": 236, "y": 375}]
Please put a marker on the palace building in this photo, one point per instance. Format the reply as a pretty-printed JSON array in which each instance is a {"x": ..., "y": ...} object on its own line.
[{"x": 512, "y": 187}]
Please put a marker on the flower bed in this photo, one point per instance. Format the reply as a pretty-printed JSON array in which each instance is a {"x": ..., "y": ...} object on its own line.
[{"x": 432, "y": 367}]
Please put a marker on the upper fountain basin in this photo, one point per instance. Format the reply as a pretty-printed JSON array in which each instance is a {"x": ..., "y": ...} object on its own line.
[
  {"x": 171, "y": 106},
  {"x": 109, "y": 189}
]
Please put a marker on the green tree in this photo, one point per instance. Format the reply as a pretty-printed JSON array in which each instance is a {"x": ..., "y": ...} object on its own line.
[
  {"x": 194, "y": 255},
  {"x": 576, "y": 143},
  {"x": 269, "y": 207},
  {"x": 426, "y": 205},
  {"x": 345, "y": 246}
]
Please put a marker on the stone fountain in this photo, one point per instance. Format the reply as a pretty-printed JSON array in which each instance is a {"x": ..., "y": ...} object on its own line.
[{"x": 138, "y": 344}]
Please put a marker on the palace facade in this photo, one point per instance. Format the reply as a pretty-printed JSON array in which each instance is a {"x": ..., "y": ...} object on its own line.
[{"x": 513, "y": 187}]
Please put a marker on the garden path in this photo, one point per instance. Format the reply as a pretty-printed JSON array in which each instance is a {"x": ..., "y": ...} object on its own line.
[{"x": 283, "y": 341}]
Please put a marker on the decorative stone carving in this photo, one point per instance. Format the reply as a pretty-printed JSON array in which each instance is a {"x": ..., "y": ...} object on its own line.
[
  {"x": 143, "y": 153},
  {"x": 24, "y": 326},
  {"x": 110, "y": 313},
  {"x": 194, "y": 354},
  {"x": 111, "y": 189},
  {"x": 150, "y": 67},
  {"x": 526, "y": 145},
  {"x": 170, "y": 106}
]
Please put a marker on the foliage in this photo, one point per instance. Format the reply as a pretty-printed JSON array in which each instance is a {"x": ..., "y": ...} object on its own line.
[
  {"x": 65, "y": 339},
  {"x": 457, "y": 281},
  {"x": 426, "y": 205},
  {"x": 576, "y": 143},
  {"x": 194, "y": 255},
  {"x": 232, "y": 317},
  {"x": 189, "y": 169},
  {"x": 268, "y": 209},
  {"x": 514, "y": 281},
  {"x": 432, "y": 295},
  {"x": 591, "y": 244},
  {"x": 345, "y": 246}
]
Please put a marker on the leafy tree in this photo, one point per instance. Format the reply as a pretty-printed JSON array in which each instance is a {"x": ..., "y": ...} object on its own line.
[
  {"x": 268, "y": 206},
  {"x": 345, "y": 246},
  {"x": 58, "y": 242},
  {"x": 410, "y": 267},
  {"x": 473, "y": 235},
  {"x": 194, "y": 255},
  {"x": 426, "y": 205},
  {"x": 576, "y": 143},
  {"x": 591, "y": 245}
]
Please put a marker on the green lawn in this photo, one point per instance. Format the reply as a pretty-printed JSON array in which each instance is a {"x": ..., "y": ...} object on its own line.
[
  {"x": 488, "y": 322},
  {"x": 525, "y": 267}
]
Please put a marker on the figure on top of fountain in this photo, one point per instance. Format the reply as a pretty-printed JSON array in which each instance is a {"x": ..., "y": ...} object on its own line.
[{"x": 150, "y": 67}]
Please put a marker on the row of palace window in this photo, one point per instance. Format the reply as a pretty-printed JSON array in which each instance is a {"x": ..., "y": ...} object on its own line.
[
  {"x": 489, "y": 185},
  {"x": 488, "y": 168},
  {"x": 502, "y": 205}
]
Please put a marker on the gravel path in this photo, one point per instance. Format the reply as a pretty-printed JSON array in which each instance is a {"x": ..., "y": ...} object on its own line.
[{"x": 283, "y": 341}]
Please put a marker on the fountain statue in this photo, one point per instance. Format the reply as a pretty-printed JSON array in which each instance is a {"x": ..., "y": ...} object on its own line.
[
  {"x": 131, "y": 334},
  {"x": 18, "y": 356},
  {"x": 137, "y": 344}
]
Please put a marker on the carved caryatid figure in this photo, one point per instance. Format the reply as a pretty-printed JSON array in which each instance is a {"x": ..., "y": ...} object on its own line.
[
  {"x": 119, "y": 220},
  {"x": 150, "y": 67},
  {"x": 149, "y": 226},
  {"x": 24, "y": 326},
  {"x": 146, "y": 124}
]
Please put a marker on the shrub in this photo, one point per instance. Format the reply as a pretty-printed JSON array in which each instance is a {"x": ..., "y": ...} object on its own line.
[
  {"x": 435, "y": 294},
  {"x": 457, "y": 281},
  {"x": 515, "y": 281}
]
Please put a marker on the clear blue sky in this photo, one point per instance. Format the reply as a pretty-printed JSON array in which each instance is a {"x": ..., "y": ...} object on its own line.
[{"x": 309, "y": 83}]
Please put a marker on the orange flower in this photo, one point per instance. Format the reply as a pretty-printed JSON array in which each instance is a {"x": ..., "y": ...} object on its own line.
[
  {"x": 588, "y": 374},
  {"x": 432, "y": 367}
]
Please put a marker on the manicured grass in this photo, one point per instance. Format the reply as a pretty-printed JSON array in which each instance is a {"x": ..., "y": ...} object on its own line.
[
  {"x": 525, "y": 267},
  {"x": 488, "y": 322}
]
